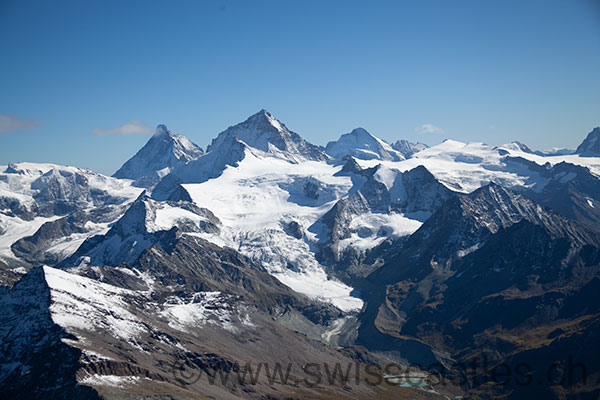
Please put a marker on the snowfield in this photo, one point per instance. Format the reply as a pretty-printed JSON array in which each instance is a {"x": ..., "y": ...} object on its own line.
[
  {"x": 82, "y": 305},
  {"x": 465, "y": 167},
  {"x": 256, "y": 200}
]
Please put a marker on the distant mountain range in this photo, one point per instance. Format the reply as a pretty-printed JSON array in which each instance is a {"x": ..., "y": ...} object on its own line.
[{"x": 266, "y": 248}]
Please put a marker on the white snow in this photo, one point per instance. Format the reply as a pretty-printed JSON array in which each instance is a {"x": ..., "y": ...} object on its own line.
[
  {"x": 114, "y": 381},
  {"x": 265, "y": 133},
  {"x": 19, "y": 185},
  {"x": 335, "y": 328},
  {"x": 469, "y": 250},
  {"x": 163, "y": 152},
  {"x": 94, "y": 356},
  {"x": 258, "y": 198},
  {"x": 204, "y": 308},
  {"x": 373, "y": 228},
  {"x": 465, "y": 167},
  {"x": 168, "y": 216},
  {"x": 361, "y": 144},
  {"x": 83, "y": 304},
  {"x": 315, "y": 284},
  {"x": 15, "y": 228},
  {"x": 386, "y": 175}
]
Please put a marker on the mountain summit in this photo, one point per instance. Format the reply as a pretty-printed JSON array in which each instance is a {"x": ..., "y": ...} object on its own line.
[
  {"x": 361, "y": 144},
  {"x": 264, "y": 132},
  {"x": 591, "y": 143},
  {"x": 161, "y": 154}
]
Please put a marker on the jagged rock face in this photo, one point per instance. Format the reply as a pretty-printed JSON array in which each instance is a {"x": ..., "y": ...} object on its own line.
[
  {"x": 197, "y": 265},
  {"x": 373, "y": 196},
  {"x": 465, "y": 222},
  {"x": 571, "y": 190},
  {"x": 16, "y": 208},
  {"x": 57, "y": 239},
  {"x": 295, "y": 229},
  {"x": 407, "y": 149},
  {"x": 164, "y": 152},
  {"x": 66, "y": 205},
  {"x": 484, "y": 273},
  {"x": 46, "y": 190},
  {"x": 350, "y": 166},
  {"x": 146, "y": 222},
  {"x": 423, "y": 193},
  {"x": 361, "y": 144},
  {"x": 591, "y": 144},
  {"x": 380, "y": 192}
]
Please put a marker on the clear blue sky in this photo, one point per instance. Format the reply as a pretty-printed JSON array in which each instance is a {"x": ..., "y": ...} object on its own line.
[{"x": 492, "y": 71}]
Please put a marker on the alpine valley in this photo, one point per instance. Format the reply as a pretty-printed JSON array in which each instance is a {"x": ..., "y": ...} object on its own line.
[{"x": 267, "y": 267}]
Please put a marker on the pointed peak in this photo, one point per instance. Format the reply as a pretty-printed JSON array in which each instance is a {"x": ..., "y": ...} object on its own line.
[
  {"x": 264, "y": 132},
  {"x": 359, "y": 135},
  {"x": 360, "y": 131},
  {"x": 265, "y": 121},
  {"x": 516, "y": 145},
  {"x": 261, "y": 115},
  {"x": 161, "y": 153},
  {"x": 492, "y": 188},
  {"x": 162, "y": 130},
  {"x": 361, "y": 144},
  {"x": 591, "y": 144},
  {"x": 264, "y": 112}
]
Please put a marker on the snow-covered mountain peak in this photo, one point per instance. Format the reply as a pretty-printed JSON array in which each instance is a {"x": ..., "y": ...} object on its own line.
[
  {"x": 362, "y": 136},
  {"x": 263, "y": 117},
  {"x": 363, "y": 145},
  {"x": 452, "y": 142},
  {"x": 264, "y": 132},
  {"x": 146, "y": 222},
  {"x": 361, "y": 132},
  {"x": 180, "y": 145},
  {"x": 149, "y": 216},
  {"x": 163, "y": 152},
  {"x": 517, "y": 146}
]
